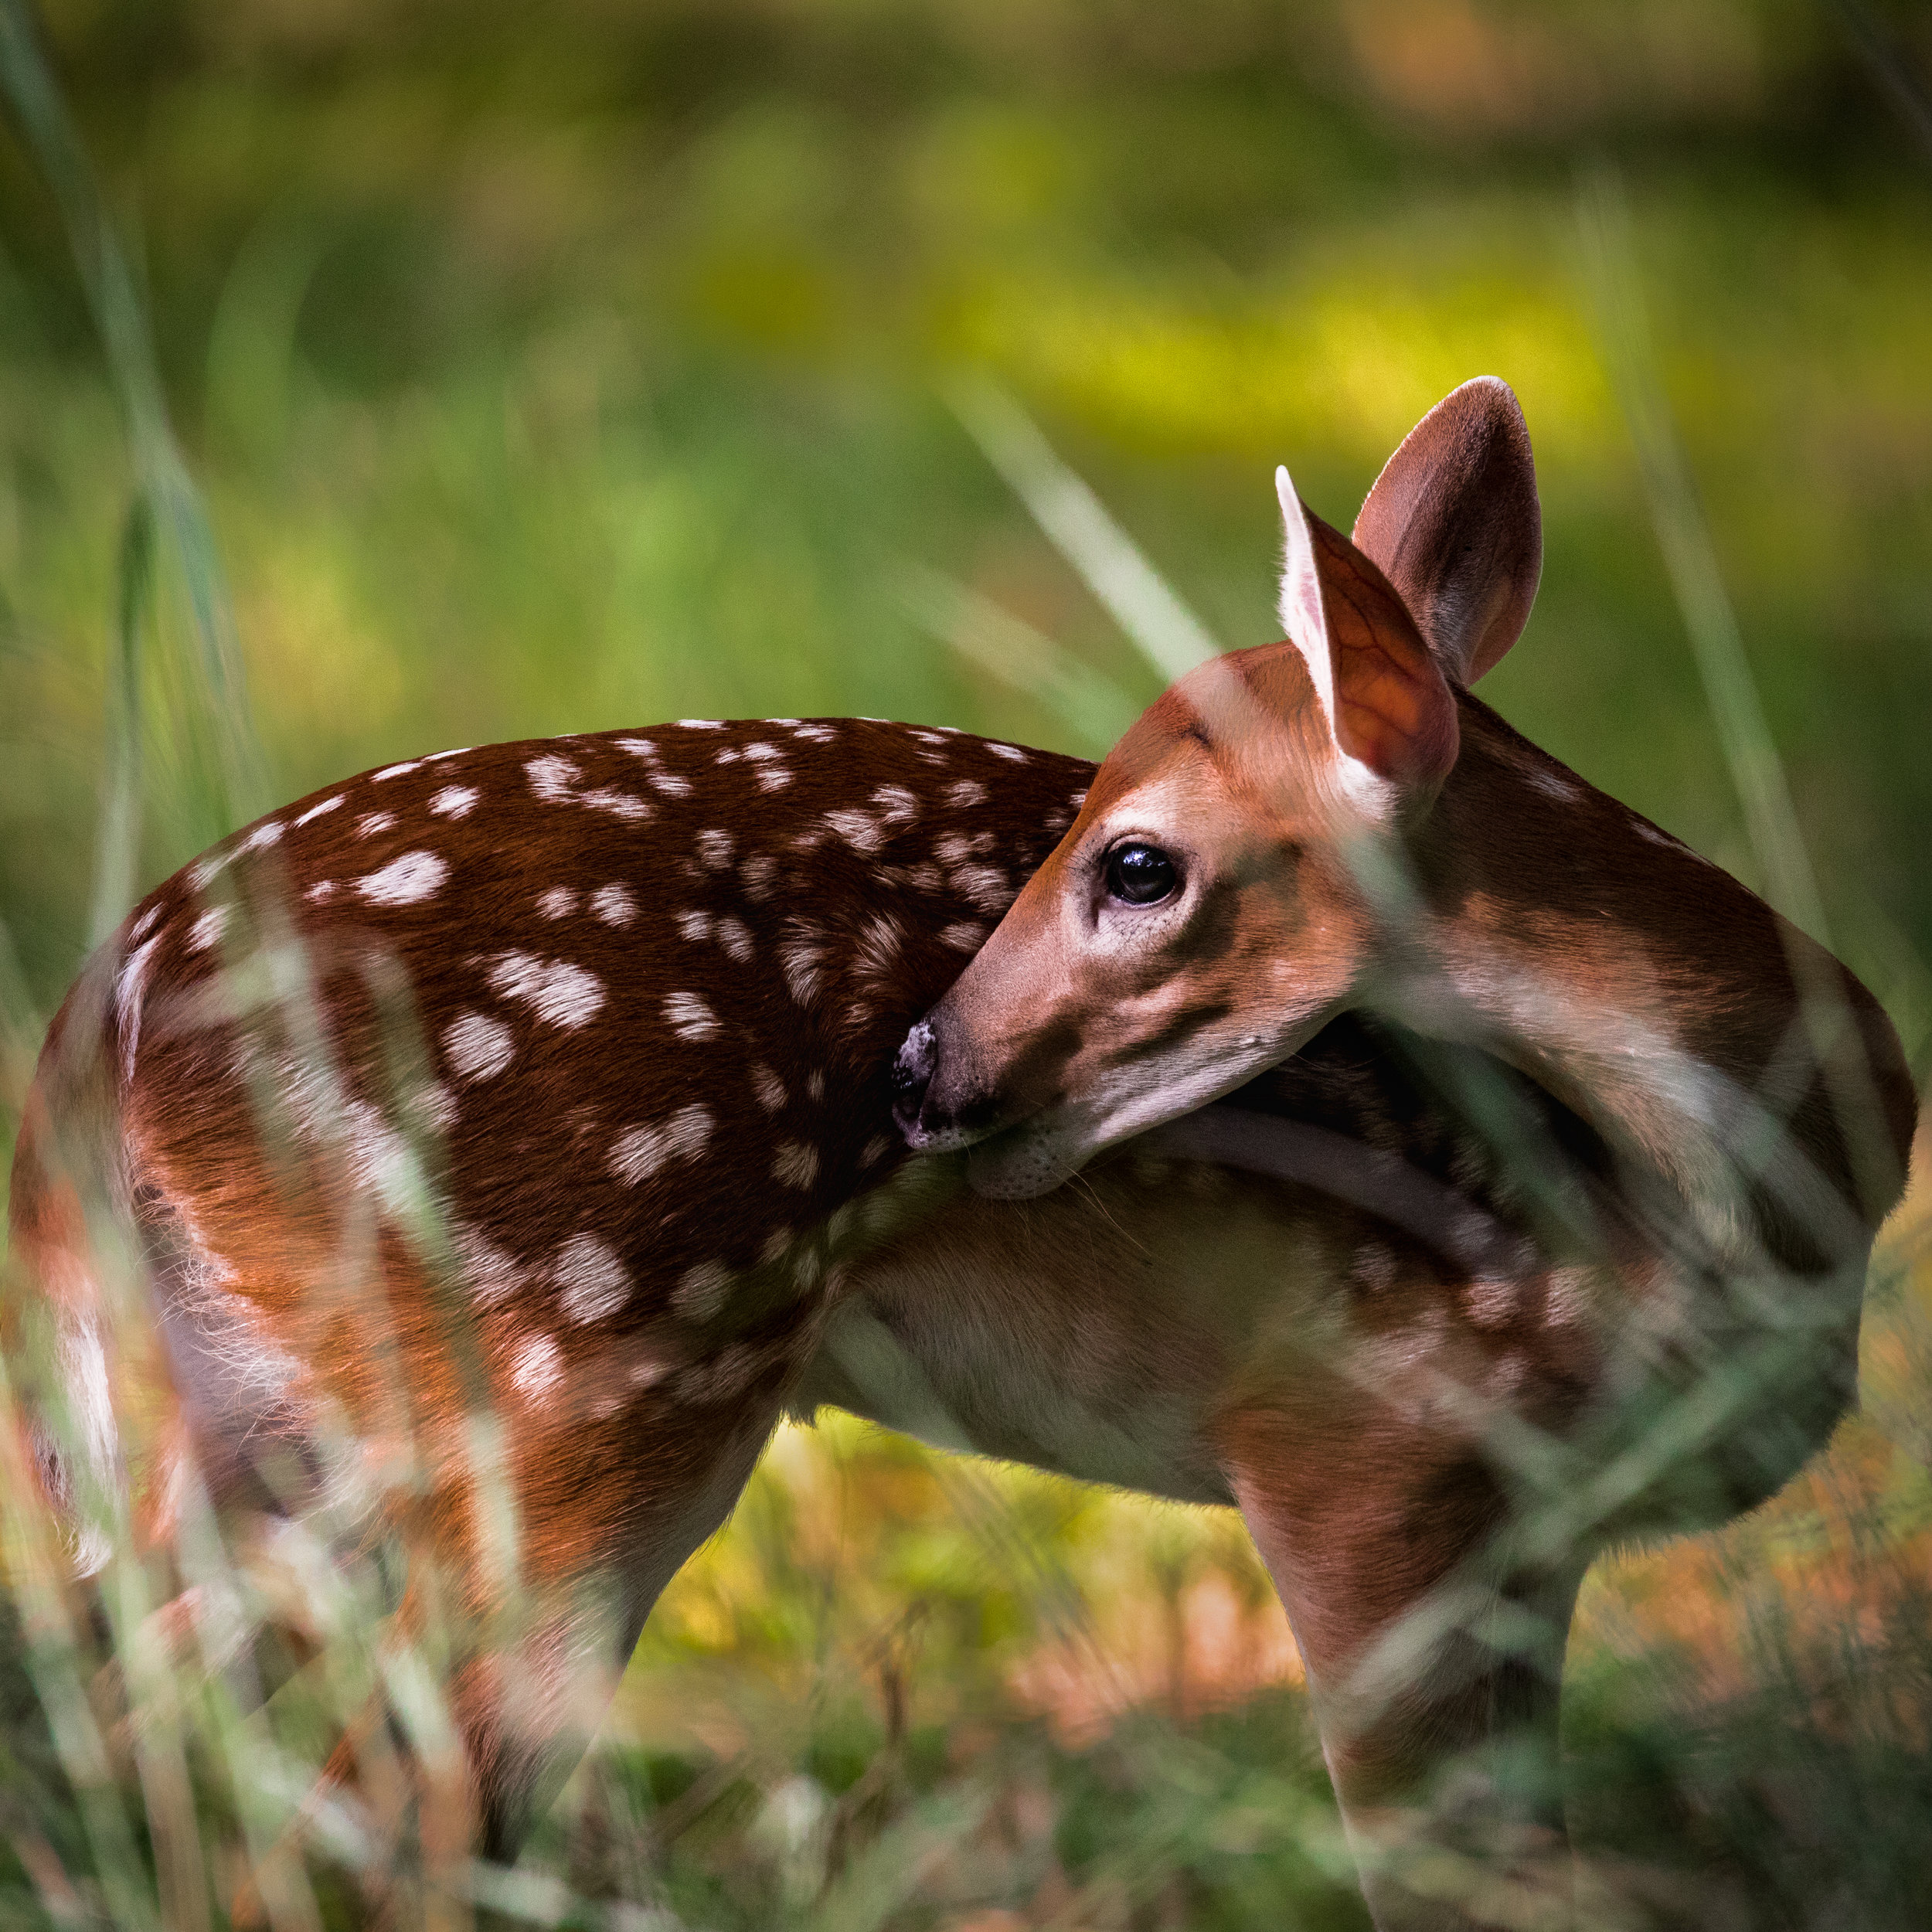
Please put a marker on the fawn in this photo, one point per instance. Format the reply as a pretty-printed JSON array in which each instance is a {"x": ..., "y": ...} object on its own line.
[
  {"x": 1335, "y": 823},
  {"x": 507, "y": 1135}
]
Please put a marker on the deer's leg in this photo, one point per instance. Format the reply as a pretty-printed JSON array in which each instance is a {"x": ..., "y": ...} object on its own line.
[
  {"x": 1435, "y": 1670},
  {"x": 600, "y": 1536}
]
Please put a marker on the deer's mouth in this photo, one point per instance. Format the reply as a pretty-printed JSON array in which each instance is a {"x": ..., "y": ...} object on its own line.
[{"x": 1018, "y": 1163}]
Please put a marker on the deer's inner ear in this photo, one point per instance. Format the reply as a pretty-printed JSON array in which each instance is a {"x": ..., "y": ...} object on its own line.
[
  {"x": 1454, "y": 523},
  {"x": 1388, "y": 711}
]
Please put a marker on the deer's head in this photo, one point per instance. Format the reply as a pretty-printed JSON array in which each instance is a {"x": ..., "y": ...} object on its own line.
[{"x": 1204, "y": 915}]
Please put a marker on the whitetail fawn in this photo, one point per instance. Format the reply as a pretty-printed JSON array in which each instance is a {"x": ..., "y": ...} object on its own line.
[
  {"x": 1333, "y": 823},
  {"x": 489, "y": 1136}
]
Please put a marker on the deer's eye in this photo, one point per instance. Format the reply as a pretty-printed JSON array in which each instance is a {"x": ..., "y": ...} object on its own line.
[{"x": 1138, "y": 875}]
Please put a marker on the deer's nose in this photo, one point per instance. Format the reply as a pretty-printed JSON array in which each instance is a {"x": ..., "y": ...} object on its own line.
[{"x": 912, "y": 1075}]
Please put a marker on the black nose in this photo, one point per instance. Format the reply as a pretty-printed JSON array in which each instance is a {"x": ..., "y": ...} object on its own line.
[{"x": 912, "y": 1074}]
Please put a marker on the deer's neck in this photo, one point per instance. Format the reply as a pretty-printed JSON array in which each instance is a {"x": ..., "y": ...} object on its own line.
[{"x": 1648, "y": 990}]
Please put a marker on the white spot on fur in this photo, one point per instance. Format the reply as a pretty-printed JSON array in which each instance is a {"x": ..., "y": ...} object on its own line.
[
  {"x": 876, "y": 955},
  {"x": 203, "y": 872},
  {"x": 670, "y": 784},
  {"x": 323, "y": 889},
  {"x": 372, "y": 822},
  {"x": 551, "y": 778},
  {"x": 396, "y": 771},
  {"x": 493, "y": 1276},
  {"x": 433, "y": 1107},
  {"x": 207, "y": 929},
  {"x": 757, "y": 872},
  {"x": 562, "y": 994},
  {"x": 963, "y": 935},
  {"x": 714, "y": 848},
  {"x": 538, "y": 1368},
  {"x": 144, "y": 924},
  {"x": 455, "y": 801},
  {"x": 759, "y": 752},
  {"x": 378, "y": 1158},
  {"x": 694, "y": 926},
  {"x": 801, "y": 959},
  {"x": 1010, "y": 752},
  {"x": 626, "y": 805},
  {"x": 768, "y": 1089},
  {"x": 647, "y": 1371},
  {"x": 721, "y": 1377},
  {"x": 858, "y": 829},
  {"x": 1492, "y": 1300},
  {"x": 613, "y": 905},
  {"x": 403, "y": 882},
  {"x": 955, "y": 848},
  {"x": 263, "y": 836},
  {"x": 816, "y": 734},
  {"x": 968, "y": 793},
  {"x": 1553, "y": 784},
  {"x": 987, "y": 886},
  {"x": 774, "y": 778},
  {"x": 689, "y": 1017},
  {"x": 478, "y": 1047},
  {"x": 316, "y": 811},
  {"x": 638, "y": 1152},
  {"x": 701, "y": 1290},
  {"x": 735, "y": 936},
  {"x": 638, "y": 747},
  {"x": 702, "y": 724},
  {"x": 557, "y": 902},
  {"x": 874, "y": 1151},
  {"x": 795, "y": 1164},
  {"x": 592, "y": 1280},
  {"x": 897, "y": 806},
  {"x": 1373, "y": 1266},
  {"x": 1566, "y": 1297},
  {"x": 777, "y": 1243}
]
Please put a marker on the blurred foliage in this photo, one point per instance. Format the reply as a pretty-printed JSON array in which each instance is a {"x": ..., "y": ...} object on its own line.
[{"x": 556, "y": 369}]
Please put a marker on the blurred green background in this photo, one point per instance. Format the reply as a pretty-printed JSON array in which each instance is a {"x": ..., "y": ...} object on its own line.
[{"x": 550, "y": 369}]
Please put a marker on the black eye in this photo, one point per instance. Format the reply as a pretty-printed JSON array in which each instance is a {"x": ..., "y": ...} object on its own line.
[{"x": 1140, "y": 875}]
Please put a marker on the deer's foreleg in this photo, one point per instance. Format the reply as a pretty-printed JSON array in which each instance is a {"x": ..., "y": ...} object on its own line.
[{"x": 1434, "y": 1668}]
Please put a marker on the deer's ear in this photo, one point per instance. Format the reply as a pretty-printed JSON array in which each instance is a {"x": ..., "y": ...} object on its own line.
[
  {"x": 1387, "y": 708},
  {"x": 1454, "y": 522}
]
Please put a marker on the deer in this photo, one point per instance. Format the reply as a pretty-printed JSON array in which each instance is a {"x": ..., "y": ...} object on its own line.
[
  {"x": 508, "y": 1133},
  {"x": 1334, "y": 826},
  {"x": 507, "y": 1137}
]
